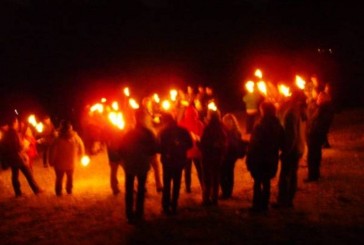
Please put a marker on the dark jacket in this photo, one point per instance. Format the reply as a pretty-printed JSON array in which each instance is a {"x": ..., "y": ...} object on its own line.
[
  {"x": 263, "y": 150},
  {"x": 174, "y": 144},
  {"x": 13, "y": 152},
  {"x": 213, "y": 141},
  {"x": 137, "y": 147}
]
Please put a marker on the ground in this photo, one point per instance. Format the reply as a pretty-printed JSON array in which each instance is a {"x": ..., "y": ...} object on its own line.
[{"x": 327, "y": 212}]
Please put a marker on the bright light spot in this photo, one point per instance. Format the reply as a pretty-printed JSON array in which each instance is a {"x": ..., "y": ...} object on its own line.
[
  {"x": 16, "y": 112},
  {"x": 262, "y": 87},
  {"x": 126, "y": 92},
  {"x": 115, "y": 105},
  {"x": 157, "y": 119},
  {"x": 284, "y": 90},
  {"x": 103, "y": 100},
  {"x": 300, "y": 83},
  {"x": 156, "y": 98},
  {"x": 166, "y": 105},
  {"x": 39, "y": 127},
  {"x": 85, "y": 160},
  {"x": 133, "y": 104},
  {"x": 32, "y": 120},
  {"x": 249, "y": 85},
  {"x": 258, "y": 73},
  {"x": 212, "y": 106},
  {"x": 97, "y": 107},
  {"x": 184, "y": 102},
  {"x": 173, "y": 94},
  {"x": 117, "y": 119}
]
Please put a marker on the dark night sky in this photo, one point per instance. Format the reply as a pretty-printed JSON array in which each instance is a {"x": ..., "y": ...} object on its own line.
[{"x": 54, "y": 50}]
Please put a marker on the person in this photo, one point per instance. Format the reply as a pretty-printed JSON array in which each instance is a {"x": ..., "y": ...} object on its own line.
[
  {"x": 213, "y": 148},
  {"x": 138, "y": 146},
  {"x": 252, "y": 100},
  {"x": 147, "y": 107},
  {"x": 292, "y": 119},
  {"x": 65, "y": 152},
  {"x": 194, "y": 125},
  {"x": 235, "y": 150},
  {"x": 174, "y": 143},
  {"x": 48, "y": 135},
  {"x": 316, "y": 132},
  {"x": 30, "y": 144},
  {"x": 263, "y": 155},
  {"x": 324, "y": 100},
  {"x": 14, "y": 155},
  {"x": 113, "y": 141}
]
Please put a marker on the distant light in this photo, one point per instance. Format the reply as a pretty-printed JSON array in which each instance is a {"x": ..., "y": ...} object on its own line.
[
  {"x": 330, "y": 50},
  {"x": 103, "y": 100},
  {"x": 16, "y": 112}
]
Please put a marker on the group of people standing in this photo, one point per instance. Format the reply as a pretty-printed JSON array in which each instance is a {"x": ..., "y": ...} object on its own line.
[
  {"x": 201, "y": 137},
  {"x": 283, "y": 133},
  {"x": 212, "y": 145},
  {"x": 62, "y": 149}
]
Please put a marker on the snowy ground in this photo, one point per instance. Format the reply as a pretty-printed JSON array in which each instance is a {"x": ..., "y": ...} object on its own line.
[{"x": 330, "y": 211}]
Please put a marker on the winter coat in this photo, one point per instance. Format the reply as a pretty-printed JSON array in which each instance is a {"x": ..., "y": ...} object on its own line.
[
  {"x": 137, "y": 148},
  {"x": 213, "y": 143},
  {"x": 293, "y": 124},
  {"x": 263, "y": 150},
  {"x": 193, "y": 124},
  {"x": 13, "y": 151},
  {"x": 174, "y": 143},
  {"x": 66, "y": 151}
]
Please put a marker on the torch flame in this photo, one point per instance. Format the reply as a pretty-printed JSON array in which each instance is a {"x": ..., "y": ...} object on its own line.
[
  {"x": 85, "y": 160},
  {"x": 97, "y": 107},
  {"x": 284, "y": 90},
  {"x": 258, "y": 73},
  {"x": 103, "y": 100},
  {"x": 133, "y": 103},
  {"x": 117, "y": 119},
  {"x": 212, "y": 106},
  {"x": 262, "y": 87},
  {"x": 39, "y": 127},
  {"x": 173, "y": 94},
  {"x": 300, "y": 82},
  {"x": 115, "y": 105},
  {"x": 249, "y": 85},
  {"x": 166, "y": 105},
  {"x": 32, "y": 120},
  {"x": 126, "y": 92},
  {"x": 156, "y": 98}
]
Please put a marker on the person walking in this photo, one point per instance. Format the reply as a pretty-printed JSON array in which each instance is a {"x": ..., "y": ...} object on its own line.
[
  {"x": 263, "y": 155},
  {"x": 194, "y": 125},
  {"x": 174, "y": 143},
  {"x": 14, "y": 155},
  {"x": 236, "y": 148},
  {"x": 138, "y": 147},
  {"x": 292, "y": 119},
  {"x": 213, "y": 148},
  {"x": 65, "y": 153}
]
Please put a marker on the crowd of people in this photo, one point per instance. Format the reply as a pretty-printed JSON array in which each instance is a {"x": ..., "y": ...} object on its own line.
[{"x": 196, "y": 136}]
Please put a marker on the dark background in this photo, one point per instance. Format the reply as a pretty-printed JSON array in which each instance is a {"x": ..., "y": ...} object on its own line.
[{"x": 56, "y": 55}]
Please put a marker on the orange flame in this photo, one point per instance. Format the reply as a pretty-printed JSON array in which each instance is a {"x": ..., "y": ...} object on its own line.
[
  {"x": 156, "y": 98},
  {"x": 117, "y": 119},
  {"x": 262, "y": 87},
  {"x": 284, "y": 90},
  {"x": 212, "y": 106},
  {"x": 258, "y": 73},
  {"x": 173, "y": 94},
  {"x": 115, "y": 105},
  {"x": 300, "y": 82},
  {"x": 126, "y": 92},
  {"x": 133, "y": 104},
  {"x": 166, "y": 105},
  {"x": 249, "y": 86},
  {"x": 97, "y": 107},
  {"x": 85, "y": 160}
]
